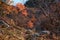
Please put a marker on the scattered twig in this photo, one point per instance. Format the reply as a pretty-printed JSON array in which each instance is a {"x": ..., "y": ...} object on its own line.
[{"x": 5, "y": 23}]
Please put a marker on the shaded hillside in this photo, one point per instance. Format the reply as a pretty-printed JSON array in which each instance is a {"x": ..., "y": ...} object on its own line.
[
  {"x": 45, "y": 16},
  {"x": 38, "y": 22},
  {"x": 47, "y": 13}
]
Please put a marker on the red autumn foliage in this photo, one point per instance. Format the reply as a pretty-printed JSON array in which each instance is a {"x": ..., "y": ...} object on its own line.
[
  {"x": 30, "y": 24},
  {"x": 22, "y": 8}
]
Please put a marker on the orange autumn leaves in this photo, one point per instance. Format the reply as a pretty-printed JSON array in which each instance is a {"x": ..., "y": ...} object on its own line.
[
  {"x": 22, "y": 8},
  {"x": 30, "y": 23},
  {"x": 9, "y": 9},
  {"x": 14, "y": 10}
]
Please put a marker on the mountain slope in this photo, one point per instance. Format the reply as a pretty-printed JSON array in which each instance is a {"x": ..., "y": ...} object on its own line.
[{"x": 42, "y": 18}]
